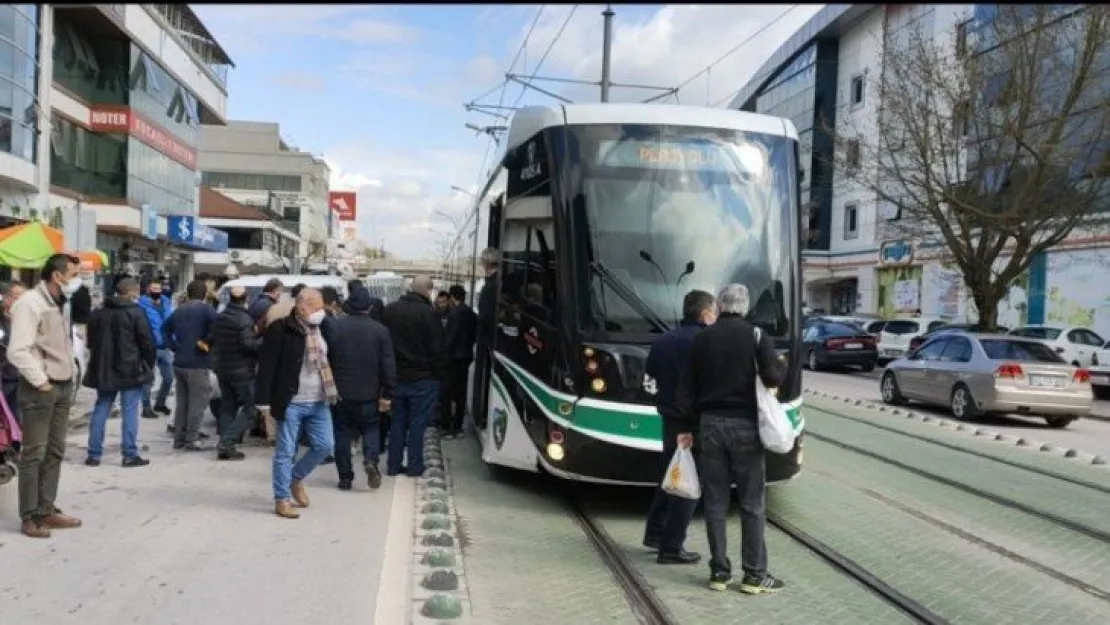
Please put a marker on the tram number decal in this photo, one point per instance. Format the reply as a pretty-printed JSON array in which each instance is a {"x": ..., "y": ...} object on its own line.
[
  {"x": 500, "y": 423},
  {"x": 650, "y": 385}
]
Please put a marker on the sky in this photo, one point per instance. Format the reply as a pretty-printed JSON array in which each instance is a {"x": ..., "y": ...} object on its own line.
[{"x": 379, "y": 91}]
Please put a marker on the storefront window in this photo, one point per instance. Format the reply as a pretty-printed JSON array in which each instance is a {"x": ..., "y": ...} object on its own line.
[
  {"x": 251, "y": 182},
  {"x": 162, "y": 99},
  {"x": 18, "y": 79},
  {"x": 90, "y": 67},
  {"x": 87, "y": 162},
  {"x": 155, "y": 179}
]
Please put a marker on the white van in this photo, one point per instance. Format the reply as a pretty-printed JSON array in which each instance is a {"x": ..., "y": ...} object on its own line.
[{"x": 254, "y": 284}]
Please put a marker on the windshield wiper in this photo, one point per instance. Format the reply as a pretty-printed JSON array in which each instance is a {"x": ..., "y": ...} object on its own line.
[{"x": 629, "y": 296}]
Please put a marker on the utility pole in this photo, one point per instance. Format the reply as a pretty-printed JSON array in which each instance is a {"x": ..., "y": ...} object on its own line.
[{"x": 606, "y": 51}]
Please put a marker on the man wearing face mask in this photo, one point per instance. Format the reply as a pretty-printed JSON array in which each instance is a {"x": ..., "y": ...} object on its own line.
[
  {"x": 158, "y": 308},
  {"x": 41, "y": 348},
  {"x": 186, "y": 332},
  {"x": 295, "y": 385},
  {"x": 121, "y": 362}
]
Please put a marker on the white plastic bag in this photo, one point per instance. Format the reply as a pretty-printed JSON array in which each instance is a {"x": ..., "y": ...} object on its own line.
[
  {"x": 775, "y": 428},
  {"x": 681, "y": 479}
]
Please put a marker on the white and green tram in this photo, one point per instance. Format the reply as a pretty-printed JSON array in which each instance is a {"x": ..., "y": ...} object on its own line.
[{"x": 606, "y": 215}]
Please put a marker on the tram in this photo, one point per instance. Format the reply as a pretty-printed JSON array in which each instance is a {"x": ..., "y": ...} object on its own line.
[{"x": 606, "y": 215}]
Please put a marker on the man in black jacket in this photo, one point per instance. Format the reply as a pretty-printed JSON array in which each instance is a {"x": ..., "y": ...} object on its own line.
[
  {"x": 717, "y": 398},
  {"x": 235, "y": 349},
  {"x": 462, "y": 325},
  {"x": 669, "y": 358},
  {"x": 296, "y": 387},
  {"x": 361, "y": 355},
  {"x": 421, "y": 366},
  {"x": 121, "y": 361},
  {"x": 271, "y": 294},
  {"x": 487, "y": 323}
]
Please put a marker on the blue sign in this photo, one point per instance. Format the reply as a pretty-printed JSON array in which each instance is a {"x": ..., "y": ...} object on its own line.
[
  {"x": 896, "y": 253},
  {"x": 187, "y": 230},
  {"x": 149, "y": 218}
]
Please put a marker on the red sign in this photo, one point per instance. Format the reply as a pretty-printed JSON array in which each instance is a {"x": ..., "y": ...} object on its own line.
[
  {"x": 344, "y": 204},
  {"x": 124, "y": 119}
]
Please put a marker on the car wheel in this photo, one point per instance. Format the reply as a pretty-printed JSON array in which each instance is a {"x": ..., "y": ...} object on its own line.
[
  {"x": 962, "y": 404},
  {"x": 891, "y": 393},
  {"x": 882, "y": 362},
  {"x": 869, "y": 367},
  {"x": 811, "y": 361},
  {"x": 1058, "y": 422}
]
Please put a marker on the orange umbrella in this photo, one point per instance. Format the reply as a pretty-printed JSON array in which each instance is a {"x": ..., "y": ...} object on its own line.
[
  {"x": 29, "y": 245},
  {"x": 93, "y": 260}
]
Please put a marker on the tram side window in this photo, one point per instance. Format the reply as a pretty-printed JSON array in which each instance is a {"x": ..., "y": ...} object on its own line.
[{"x": 528, "y": 270}]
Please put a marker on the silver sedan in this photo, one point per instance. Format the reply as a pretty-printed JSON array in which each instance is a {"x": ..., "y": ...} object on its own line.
[{"x": 976, "y": 374}]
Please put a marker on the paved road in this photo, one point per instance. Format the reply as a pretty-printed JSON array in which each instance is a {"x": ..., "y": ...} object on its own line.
[
  {"x": 1090, "y": 435},
  {"x": 189, "y": 540}
]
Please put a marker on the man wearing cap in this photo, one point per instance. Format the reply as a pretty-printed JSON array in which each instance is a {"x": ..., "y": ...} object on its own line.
[
  {"x": 361, "y": 355},
  {"x": 235, "y": 347}
]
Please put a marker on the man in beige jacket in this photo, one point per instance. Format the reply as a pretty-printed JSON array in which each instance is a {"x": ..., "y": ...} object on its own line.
[{"x": 41, "y": 349}]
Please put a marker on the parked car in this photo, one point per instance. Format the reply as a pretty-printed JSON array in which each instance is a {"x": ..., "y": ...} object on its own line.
[
  {"x": 979, "y": 374},
  {"x": 838, "y": 345},
  {"x": 1075, "y": 344},
  {"x": 859, "y": 321},
  {"x": 895, "y": 334},
  {"x": 1100, "y": 372},
  {"x": 917, "y": 341}
]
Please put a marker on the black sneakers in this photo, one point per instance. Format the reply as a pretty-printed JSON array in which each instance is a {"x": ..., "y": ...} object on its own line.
[
  {"x": 135, "y": 461},
  {"x": 345, "y": 484},
  {"x": 230, "y": 454},
  {"x": 760, "y": 584},
  {"x": 719, "y": 580},
  {"x": 681, "y": 557},
  {"x": 373, "y": 476}
]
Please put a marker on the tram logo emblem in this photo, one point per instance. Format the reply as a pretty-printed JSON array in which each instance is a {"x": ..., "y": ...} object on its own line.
[
  {"x": 500, "y": 424},
  {"x": 532, "y": 168}
]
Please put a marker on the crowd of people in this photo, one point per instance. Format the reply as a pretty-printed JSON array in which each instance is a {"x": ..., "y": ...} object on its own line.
[{"x": 311, "y": 370}]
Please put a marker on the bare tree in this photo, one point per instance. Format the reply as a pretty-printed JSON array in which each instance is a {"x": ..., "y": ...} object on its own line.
[
  {"x": 991, "y": 141},
  {"x": 317, "y": 252}
]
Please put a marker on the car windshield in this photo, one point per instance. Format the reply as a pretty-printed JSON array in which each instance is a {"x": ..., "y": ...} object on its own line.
[
  {"x": 838, "y": 329},
  {"x": 669, "y": 209},
  {"x": 902, "y": 327},
  {"x": 1024, "y": 351},
  {"x": 1049, "y": 334}
]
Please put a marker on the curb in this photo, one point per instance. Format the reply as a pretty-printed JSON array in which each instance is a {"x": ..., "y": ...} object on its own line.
[
  {"x": 440, "y": 592},
  {"x": 959, "y": 426}
]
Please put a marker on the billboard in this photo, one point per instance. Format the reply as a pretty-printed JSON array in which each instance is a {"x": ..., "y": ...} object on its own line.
[{"x": 344, "y": 204}]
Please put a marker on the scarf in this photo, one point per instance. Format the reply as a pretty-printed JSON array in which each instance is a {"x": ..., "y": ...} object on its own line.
[{"x": 314, "y": 341}]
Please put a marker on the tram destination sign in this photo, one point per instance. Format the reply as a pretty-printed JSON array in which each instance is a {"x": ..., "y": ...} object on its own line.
[{"x": 680, "y": 155}]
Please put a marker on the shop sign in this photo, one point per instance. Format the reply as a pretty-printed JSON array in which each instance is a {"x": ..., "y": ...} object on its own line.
[
  {"x": 187, "y": 230},
  {"x": 896, "y": 253},
  {"x": 344, "y": 204},
  {"x": 126, "y": 120}
]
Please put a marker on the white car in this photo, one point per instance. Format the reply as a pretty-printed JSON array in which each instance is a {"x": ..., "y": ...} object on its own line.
[
  {"x": 895, "y": 334},
  {"x": 1075, "y": 344},
  {"x": 1100, "y": 372}
]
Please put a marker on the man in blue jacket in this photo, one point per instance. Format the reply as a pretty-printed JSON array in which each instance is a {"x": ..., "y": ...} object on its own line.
[
  {"x": 187, "y": 333},
  {"x": 669, "y": 516},
  {"x": 158, "y": 308}
]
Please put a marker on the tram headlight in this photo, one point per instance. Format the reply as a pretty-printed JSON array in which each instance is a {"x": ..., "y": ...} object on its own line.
[
  {"x": 598, "y": 385},
  {"x": 592, "y": 366},
  {"x": 555, "y": 451},
  {"x": 588, "y": 352}
]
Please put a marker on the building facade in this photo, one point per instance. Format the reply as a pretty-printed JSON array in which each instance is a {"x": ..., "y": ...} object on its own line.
[
  {"x": 250, "y": 163},
  {"x": 257, "y": 243},
  {"x": 100, "y": 113}
]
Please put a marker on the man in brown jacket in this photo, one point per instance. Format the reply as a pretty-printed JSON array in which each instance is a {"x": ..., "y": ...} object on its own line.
[{"x": 41, "y": 349}]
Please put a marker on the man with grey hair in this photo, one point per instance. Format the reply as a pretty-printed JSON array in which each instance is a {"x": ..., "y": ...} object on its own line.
[
  {"x": 418, "y": 344},
  {"x": 717, "y": 399}
]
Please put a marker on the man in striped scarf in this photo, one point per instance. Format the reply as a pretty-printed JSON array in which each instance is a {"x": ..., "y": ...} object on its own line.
[{"x": 295, "y": 385}]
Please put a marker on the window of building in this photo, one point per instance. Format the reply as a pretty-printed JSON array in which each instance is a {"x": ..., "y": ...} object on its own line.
[
  {"x": 852, "y": 154},
  {"x": 857, "y": 91},
  {"x": 155, "y": 93},
  {"x": 90, "y": 67},
  {"x": 961, "y": 38},
  {"x": 89, "y": 163},
  {"x": 155, "y": 179},
  {"x": 961, "y": 120},
  {"x": 18, "y": 78},
  {"x": 851, "y": 221}
]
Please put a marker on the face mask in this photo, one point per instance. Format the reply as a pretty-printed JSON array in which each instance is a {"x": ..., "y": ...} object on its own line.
[
  {"x": 71, "y": 287},
  {"x": 316, "y": 318},
  {"x": 156, "y": 296}
]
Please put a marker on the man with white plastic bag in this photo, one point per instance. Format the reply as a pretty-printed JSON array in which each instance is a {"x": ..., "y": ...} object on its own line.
[
  {"x": 718, "y": 398},
  {"x": 674, "y": 503}
]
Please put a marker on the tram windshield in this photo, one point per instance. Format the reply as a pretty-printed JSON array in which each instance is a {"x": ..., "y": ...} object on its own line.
[{"x": 668, "y": 209}]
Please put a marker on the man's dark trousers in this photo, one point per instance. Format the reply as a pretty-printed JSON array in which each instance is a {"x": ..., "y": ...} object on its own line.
[
  {"x": 731, "y": 453},
  {"x": 669, "y": 516},
  {"x": 413, "y": 406},
  {"x": 351, "y": 419},
  {"x": 236, "y": 407},
  {"x": 454, "y": 409}
]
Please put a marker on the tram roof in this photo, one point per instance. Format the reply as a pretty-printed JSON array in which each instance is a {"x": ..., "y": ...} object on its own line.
[{"x": 530, "y": 120}]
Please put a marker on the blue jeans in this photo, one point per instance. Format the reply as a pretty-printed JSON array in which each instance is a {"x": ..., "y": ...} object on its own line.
[
  {"x": 315, "y": 418},
  {"x": 129, "y": 403},
  {"x": 353, "y": 418},
  {"x": 414, "y": 403},
  {"x": 164, "y": 364}
]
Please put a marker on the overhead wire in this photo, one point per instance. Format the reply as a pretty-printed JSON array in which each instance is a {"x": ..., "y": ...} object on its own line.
[
  {"x": 759, "y": 31},
  {"x": 550, "y": 47}
]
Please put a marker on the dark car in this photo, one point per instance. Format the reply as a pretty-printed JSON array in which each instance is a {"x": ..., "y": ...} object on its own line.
[
  {"x": 974, "y": 328},
  {"x": 830, "y": 345}
]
